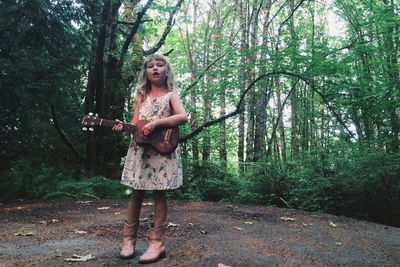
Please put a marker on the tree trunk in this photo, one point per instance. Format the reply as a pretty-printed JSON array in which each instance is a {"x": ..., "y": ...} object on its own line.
[
  {"x": 251, "y": 95},
  {"x": 95, "y": 83},
  {"x": 206, "y": 91},
  {"x": 294, "y": 98},
  {"x": 282, "y": 140},
  {"x": 191, "y": 49},
  {"x": 242, "y": 77},
  {"x": 263, "y": 97}
]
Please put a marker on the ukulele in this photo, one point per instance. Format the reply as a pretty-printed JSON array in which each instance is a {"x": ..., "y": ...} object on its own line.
[{"x": 164, "y": 140}]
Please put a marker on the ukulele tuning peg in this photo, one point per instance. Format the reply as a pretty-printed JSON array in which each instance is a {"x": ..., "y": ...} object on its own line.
[
  {"x": 84, "y": 128},
  {"x": 91, "y": 129},
  {"x": 90, "y": 113}
]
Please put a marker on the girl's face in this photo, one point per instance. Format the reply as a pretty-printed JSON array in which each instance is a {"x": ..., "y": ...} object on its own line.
[{"x": 156, "y": 72}]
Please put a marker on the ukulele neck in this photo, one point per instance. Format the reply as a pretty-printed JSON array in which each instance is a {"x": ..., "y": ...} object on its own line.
[{"x": 126, "y": 127}]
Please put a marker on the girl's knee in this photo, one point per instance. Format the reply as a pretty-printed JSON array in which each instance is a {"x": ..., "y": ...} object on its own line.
[
  {"x": 137, "y": 194},
  {"x": 159, "y": 194}
]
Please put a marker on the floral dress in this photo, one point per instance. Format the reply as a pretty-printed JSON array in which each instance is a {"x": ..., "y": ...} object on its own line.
[{"x": 145, "y": 168}]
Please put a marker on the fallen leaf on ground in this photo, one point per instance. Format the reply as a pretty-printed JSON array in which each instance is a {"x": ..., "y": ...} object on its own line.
[
  {"x": 170, "y": 224},
  {"x": 339, "y": 243},
  {"x": 288, "y": 219},
  {"x": 117, "y": 213},
  {"x": 238, "y": 228},
  {"x": 81, "y": 257},
  {"x": 145, "y": 219},
  {"x": 203, "y": 231},
  {"x": 80, "y": 232},
  {"x": 55, "y": 220},
  {"x": 84, "y": 201},
  {"x": 24, "y": 233},
  {"x": 305, "y": 224},
  {"x": 58, "y": 254},
  {"x": 103, "y": 208},
  {"x": 43, "y": 222},
  {"x": 147, "y": 204},
  {"x": 190, "y": 224},
  {"x": 232, "y": 207},
  {"x": 333, "y": 224},
  {"x": 223, "y": 265},
  {"x": 249, "y": 222}
]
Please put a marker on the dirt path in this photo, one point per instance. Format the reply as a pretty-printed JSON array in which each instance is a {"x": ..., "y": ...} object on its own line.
[{"x": 205, "y": 234}]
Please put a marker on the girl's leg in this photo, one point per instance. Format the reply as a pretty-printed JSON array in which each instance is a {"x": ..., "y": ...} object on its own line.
[
  {"x": 131, "y": 225},
  {"x": 135, "y": 205},
  {"x": 160, "y": 207},
  {"x": 156, "y": 250}
]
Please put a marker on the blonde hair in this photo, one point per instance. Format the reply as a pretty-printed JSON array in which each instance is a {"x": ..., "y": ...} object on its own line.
[{"x": 144, "y": 86}]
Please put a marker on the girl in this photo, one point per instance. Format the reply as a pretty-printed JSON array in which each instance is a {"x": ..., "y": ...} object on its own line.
[{"x": 145, "y": 169}]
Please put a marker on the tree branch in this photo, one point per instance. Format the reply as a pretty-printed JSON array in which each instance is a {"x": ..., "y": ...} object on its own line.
[
  {"x": 132, "y": 33},
  {"x": 279, "y": 117},
  {"x": 203, "y": 73},
  {"x": 166, "y": 30},
  {"x": 292, "y": 12},
  {"x": 132, "y": 23},
  {"x": 63, "y": 135},
  {"x": 169, "y": 52},
  {"x": 239, "y": 109}
]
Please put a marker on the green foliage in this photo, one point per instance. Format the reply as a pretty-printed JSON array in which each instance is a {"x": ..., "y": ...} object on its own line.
[
  {"x": 361, "y": 183},
  {"x": 368, "y": 185},
  {"x": 28, "y": 179},
  {"x": 210, "y": 181},
  {"x": 25, "y": 179},
  {"x": 266, "y": 180},
  {"x": 96, "y": 187},
  {"x": 41, "y": 64}
]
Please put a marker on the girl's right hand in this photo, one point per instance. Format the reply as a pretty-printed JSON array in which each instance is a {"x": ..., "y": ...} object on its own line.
[{"x": 118, "y": 127}]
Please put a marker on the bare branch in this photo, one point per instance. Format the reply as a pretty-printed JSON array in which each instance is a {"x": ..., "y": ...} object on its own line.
[
  {"x": 166, "y": 30},
  {"x": 292, "y": 12},
  {"x": 186, "y": 90},
  {"x": 132, "y": 33},
  {"x": 63, "y": 135},
  {"x": 169, "y": 52},
  {"x": 132, "y": 23},
  {"x": 279, "y": 117},
  {"x": 239, "y": 104}
]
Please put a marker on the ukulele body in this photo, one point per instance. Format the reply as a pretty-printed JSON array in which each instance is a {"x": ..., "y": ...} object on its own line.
[{"x": 163, "y": 140}]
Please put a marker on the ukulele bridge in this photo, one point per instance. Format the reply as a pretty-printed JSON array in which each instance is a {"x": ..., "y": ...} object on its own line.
[{"x": 167, "y": 136}]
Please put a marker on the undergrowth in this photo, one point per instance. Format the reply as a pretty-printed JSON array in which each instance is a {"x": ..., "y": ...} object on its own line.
[{"x": 361, "y": 183}]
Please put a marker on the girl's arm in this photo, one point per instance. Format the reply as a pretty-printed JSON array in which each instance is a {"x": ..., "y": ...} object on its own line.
[
  {"x": 118, "y": 127},
  {"x": 177, "y": 119},
  {"x": 135, "y": 117}
]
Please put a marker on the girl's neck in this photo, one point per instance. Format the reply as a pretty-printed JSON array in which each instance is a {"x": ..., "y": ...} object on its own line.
[{"x": 157, "y": 91}]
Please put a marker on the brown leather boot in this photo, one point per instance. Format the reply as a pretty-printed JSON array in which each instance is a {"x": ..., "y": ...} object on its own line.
[
  {"x": 156, "y": 249},
  {"x": 129, "y": 242}
]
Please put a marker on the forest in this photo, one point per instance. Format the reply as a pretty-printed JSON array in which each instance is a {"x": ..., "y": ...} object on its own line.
[{"x": 291, "y": 103}]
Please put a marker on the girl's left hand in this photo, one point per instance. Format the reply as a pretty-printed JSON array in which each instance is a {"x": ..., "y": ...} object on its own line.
[{"x": 148, "y": 128}]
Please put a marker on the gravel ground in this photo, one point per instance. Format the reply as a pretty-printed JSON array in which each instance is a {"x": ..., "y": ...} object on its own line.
[{"x": 199, "y": 234}]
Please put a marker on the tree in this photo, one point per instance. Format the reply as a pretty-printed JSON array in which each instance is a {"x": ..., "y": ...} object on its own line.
[{"x": 112, "y": 68}]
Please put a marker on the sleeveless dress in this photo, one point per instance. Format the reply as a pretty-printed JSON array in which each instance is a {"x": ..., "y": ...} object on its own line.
[{"x": 145, "y": 168}]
